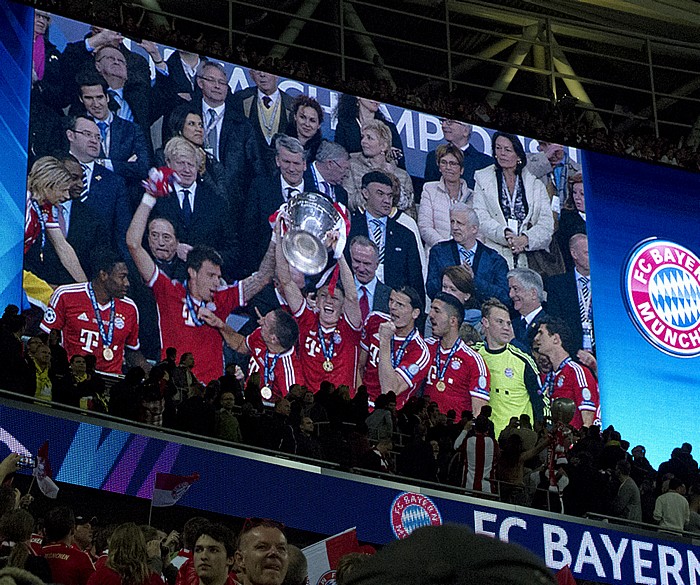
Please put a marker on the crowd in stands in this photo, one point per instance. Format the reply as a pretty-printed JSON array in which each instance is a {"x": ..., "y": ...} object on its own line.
[
  {"x": 66, "y": 546},
  {"x": 558, "y": 122}
]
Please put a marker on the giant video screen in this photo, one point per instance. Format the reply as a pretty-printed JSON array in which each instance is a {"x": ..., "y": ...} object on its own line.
[{"x": 243, "y": 142}]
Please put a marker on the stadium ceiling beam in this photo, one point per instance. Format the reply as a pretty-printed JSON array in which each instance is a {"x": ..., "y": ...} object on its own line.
[
  {"x": 662, "y": 103},
  {"x": 573, "y": 30},
  {"x": 576, "y": 89},
  {"x": 155, "y": 13},
  {"x": 291, "y": 33},
  {"x": 517, "y": 56},
  {"x": 367, "y": 46}
]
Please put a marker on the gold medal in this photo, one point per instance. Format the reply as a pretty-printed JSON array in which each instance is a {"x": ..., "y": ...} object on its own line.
[
  {"x": 328, "y": 365},
  {"x": 108, "y": 354},
  {"x": 440, "y": 385},
  {"x": 266, "y": 392}
]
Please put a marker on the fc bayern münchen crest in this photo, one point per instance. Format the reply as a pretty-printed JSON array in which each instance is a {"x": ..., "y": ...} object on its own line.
[
  {"x": 661, "y": 288},
  {"x": 410, "y": 511}
]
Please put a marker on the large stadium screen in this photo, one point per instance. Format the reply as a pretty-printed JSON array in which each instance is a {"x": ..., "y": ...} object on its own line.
[{"x": 636, "y": 311}]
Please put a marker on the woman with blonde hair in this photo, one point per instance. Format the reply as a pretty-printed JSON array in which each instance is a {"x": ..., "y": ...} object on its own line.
[
  {"x": 48, "y": 187},
  {"x": 127, "y": 560},
  {"x": 377, "y": 155}
]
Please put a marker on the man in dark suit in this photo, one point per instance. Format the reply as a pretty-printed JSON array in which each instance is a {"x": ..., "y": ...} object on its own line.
[
  {"x": 269, "y": 110},
  {"x": 104, "y": 191},
  {"x": 124, "y": 148},
  {"x": 527, "y": 293},
  {"x": 399, "y": 260},
  {"x": 199, "y": 215},
  {"x": 569, "y": 295},
  {"x": 265, "y": 196},
  {"x": 228, "y": 135},
  {"x": 327, "y": 172},
  {"x": 488, "y": 267},
  {"x": 83, "y": 229},
  {"x": 178, "y": 87},
  {"x": 458, "y": 134},
  {"x": 372, "y": 292}
]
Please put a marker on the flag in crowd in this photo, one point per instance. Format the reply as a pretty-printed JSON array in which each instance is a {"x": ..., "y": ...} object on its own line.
[
  {"x": 323, "y": 556},
  {"x": 169, "y": 488},
  {"x": 43, "y": 474}
]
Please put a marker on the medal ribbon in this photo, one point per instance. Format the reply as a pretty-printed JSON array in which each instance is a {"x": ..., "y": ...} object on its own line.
[
  {"x": 442, "y": 370},
  {"x": 269, "y": 370},
  {"x": 189, "y": 301},
  {"x": 42, "y": 222},
  {"x": 109, "y": 335},
  {"x": 396, "y": 357},
  {"x": 327, "y": 350},
  {"x": 549, "y": 380}
]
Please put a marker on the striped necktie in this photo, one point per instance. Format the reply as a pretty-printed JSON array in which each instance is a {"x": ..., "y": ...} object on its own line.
[
  {"x": 467, "y": 256},
  {"x": 585, "y": 299},
  {"x": 378, "y": 237},
  {"x": 84, "y": 192},
  {"x": 211, "y": 135}
]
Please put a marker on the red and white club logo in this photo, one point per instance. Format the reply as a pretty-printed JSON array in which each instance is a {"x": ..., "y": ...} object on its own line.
[
  {"x": 661, "y": 287},
  {"x": 410, "y": 511},
  {"x": 328, "y": 578}
]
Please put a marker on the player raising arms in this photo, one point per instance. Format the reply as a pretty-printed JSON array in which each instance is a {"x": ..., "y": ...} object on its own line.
[
  {"x": 179, "y": 303},
  {"x": 330, "y": 333}
]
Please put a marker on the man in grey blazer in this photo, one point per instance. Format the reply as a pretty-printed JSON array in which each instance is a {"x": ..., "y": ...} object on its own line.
[{"x": 372, "y": 292}]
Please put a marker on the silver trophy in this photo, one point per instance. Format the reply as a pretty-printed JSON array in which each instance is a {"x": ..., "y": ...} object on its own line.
[{"x": 310, "y": 217}]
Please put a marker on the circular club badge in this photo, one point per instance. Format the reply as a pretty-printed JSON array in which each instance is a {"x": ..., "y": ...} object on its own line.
[
  {"x": 410, "y": 511},
  {"x": 328, "y": 578},
  {"x": 661, "y": 288}
]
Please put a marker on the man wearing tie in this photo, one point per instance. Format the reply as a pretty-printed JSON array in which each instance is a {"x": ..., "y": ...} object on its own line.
[
  {"x": 569, "y": 295},
  {"x": 228, "y": 136},
  {"x": 325, "y": 175},
  {"x": 269, "y": 110},
  {"x": 487, "y": 266},
  {"x": 103, "y": 191},
  {"x": 527, "y": 293},
  {"x": 200, "y": 216},
  {"x": 372, "y": 293},
  {"x": 267, "y": 193},
  {"x": 124, "y": 148},
  {"x": 399, "y": 259}
]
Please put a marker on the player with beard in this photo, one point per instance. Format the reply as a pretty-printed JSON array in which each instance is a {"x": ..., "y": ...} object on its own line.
[
  {"x": 394, "y": 357},
  {"x": 330, "y": 333},
  {"x": 180, "y": 303},
  {"x": 458, "y": 377}
]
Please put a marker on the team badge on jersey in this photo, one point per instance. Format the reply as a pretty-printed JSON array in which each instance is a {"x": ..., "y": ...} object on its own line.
[
  {"x": 119, "y": 322},
  {"x": 508, "y": 372},
  {"x": 456, "y": 363},
  {"x": 410, "y": 511},
  {"x": 328, "y": 578},
  {"x": 661, "y": 289}
]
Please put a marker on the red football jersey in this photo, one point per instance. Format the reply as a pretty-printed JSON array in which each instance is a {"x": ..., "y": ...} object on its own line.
[
  {"x": 346, "y": 341},
  {"x": 466, "y": 376},
  {"x": 576, "y": 381},
  {"x": 413, "y": 367},
  {"x": 178, "y": 329},
  {"x": 69, "y": 566},
  {"x": 32, "y": 222},
  {"x": 286, "y": 371},
  {"x": 71, "y": 311}
]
